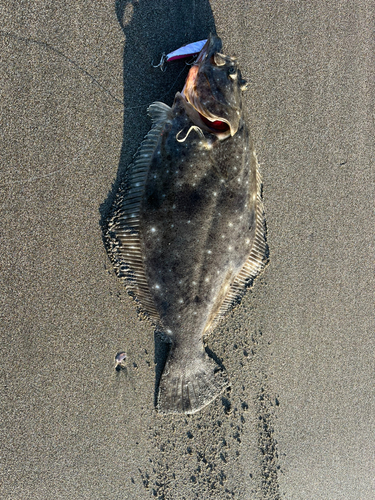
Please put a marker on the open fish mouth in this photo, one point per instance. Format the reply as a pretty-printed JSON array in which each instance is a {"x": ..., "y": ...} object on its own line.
[{"x": 213, "y": 88}]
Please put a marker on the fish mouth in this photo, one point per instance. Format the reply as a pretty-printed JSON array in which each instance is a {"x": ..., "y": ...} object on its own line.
[
  {"x": 218, "y": 126},
  {"x": 206, "y": 119}
]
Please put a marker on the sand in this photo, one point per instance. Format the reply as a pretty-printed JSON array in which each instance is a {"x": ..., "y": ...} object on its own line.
[{"x": 298, "y": 420}]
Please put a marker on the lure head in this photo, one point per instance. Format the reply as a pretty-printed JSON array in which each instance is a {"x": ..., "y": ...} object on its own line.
[{"x": 213, "y": 88}]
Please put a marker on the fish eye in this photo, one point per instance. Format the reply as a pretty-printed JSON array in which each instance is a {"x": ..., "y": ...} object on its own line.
[{"x": 232, "y": 72}]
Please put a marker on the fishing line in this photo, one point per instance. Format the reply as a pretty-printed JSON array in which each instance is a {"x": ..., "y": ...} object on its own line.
[
  {"x": 161, "y": 97},
  {"x": 83, "y": 70},
  {"x": 67, "y": 58}
]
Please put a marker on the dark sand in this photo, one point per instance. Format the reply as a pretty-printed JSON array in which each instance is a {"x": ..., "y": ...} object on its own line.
[{"x": 298, "y": 422}]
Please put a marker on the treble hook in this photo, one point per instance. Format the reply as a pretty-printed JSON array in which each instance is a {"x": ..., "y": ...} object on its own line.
[{"x": 161, "y": 64}]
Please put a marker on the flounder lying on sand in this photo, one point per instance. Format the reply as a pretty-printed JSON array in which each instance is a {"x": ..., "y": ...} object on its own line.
[{"x": 187, "y": 227}]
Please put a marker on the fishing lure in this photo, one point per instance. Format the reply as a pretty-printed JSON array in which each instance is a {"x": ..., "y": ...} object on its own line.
[{"x": 191, "y": 49}]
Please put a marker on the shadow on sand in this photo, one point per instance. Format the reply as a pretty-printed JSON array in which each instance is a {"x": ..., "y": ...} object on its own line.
[{"x": 151, "y": 28}]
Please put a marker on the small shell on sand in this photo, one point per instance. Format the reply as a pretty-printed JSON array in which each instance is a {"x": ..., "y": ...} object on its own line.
[{"x": 120, "y": 359}]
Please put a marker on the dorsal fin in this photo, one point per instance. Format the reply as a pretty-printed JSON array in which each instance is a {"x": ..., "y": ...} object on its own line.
[
  {"x": 159, "y": 112},
  {"x": 123, "y": 239},
  {"x": 254, "y": 264}
]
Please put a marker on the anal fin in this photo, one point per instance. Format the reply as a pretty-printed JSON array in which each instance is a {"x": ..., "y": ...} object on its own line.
[{"x": 123, "y": 232}]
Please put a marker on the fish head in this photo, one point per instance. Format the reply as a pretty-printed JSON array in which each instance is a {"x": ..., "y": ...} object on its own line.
[{"x": 214, "y": 88}]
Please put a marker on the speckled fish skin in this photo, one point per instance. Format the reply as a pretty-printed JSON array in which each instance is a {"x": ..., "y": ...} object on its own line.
[{"x": 188, "y": 229}]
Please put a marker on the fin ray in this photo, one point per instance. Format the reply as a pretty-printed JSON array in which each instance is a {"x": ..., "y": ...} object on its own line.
[
  {"x": 122, "y": 236},
  {"x": 189, "y": 387},
  {"x": 254, "y": 263}
]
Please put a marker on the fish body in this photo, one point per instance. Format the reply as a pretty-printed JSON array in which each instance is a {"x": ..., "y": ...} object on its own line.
[{"x": 187, "y": 231}]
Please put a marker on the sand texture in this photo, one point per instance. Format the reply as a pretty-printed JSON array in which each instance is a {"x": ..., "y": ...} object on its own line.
[{"x": 298, "y": 420}]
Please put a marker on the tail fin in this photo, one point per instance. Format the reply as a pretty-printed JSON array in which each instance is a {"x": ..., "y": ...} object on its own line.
[{"x": 186, "y": 386}]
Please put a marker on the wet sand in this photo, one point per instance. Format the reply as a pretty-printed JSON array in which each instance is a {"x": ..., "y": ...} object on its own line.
[{"x": 296, "y": 422}]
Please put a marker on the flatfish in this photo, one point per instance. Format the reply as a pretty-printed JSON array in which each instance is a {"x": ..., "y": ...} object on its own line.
[{"x": 186, "y": 233}]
